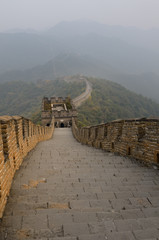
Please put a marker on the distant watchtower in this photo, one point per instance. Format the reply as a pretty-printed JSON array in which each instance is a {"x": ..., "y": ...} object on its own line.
[{"x": 62, "y": 109}]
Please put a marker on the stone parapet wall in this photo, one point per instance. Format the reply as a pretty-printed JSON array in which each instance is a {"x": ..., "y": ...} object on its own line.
[
  {"x": 138, "y": 138},
  {"x": 84, "y": 96},
  {"x": 18, "y": 136}
]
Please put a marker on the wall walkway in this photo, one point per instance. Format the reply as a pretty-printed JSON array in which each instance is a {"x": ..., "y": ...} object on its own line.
[
  {"x": 68, "y": 191},
  {"x": 18, "y": 136},
  {"x": 84, "y": 96}
]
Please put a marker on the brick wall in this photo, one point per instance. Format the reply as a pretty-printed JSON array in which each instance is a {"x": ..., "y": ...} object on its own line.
[
  {"x": 18, "y": 136},
  {"x": 138, "y": 138}
]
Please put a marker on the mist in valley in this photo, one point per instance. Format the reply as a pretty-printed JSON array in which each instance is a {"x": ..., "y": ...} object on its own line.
[{"x": 114, "y": 40}]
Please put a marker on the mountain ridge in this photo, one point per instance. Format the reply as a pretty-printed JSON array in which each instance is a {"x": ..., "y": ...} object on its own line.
[
  {"x": 108, "y": 43},
  {"x": 109, "y": 100},
  {"x": 146, "y": 84},
  {"x": 122, "y": 54}
]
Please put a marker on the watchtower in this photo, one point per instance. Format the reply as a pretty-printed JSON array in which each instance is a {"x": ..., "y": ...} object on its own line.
[{"x": 62, "y": 109}]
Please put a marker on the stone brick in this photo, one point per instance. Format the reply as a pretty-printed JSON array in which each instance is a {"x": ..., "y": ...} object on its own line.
[
  {"x": 63, "y": 238},
  {"x": 137, "y": 138},
  {"x": 121, "y": 204},
  {"x": 132, "y": 214},
  {"x": 127, "y": 225},
  {"x": 59, "y": 218},
  {"x": 121, "y": 236},
  {"x": 75, "y": 229},
  {"x": 154, "y": 201},
  {"x": 101, "y": 227},
  {"x": 92, "y": 237},
  {"x": 151, "y": 212},
  {"x": 147, "y": 233},
  {"x": 149, "y": 222},
  {"x": 124, "y": 194},
  {"x": 79, "y": 217},
  {"x": 17, "y": 137},
  {"x": 100, "y": 204},
  {"x": 37, "y": 222},
  {"x": 79, "y": 204}
]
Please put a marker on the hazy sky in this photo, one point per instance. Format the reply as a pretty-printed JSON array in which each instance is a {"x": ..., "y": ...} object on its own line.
[{"x": 41, "y": 14}]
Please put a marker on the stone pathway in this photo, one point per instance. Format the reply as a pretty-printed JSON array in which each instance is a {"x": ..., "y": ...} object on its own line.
[{"x": 68, "y": 191}]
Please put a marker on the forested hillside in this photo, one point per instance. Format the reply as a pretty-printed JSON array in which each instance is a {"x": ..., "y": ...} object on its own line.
[
  {"x": 111, "y": 101},
  {"x": 22, "y": 98}
]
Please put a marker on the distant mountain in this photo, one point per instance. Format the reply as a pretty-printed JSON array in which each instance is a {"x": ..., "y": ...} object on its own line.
[
  {"x": 62, "y": 65},
  {"x": 21, "y": 30},
  {"x": 19, "y": 51},
  {"x": 146, "y": 84},
  {"x": 110, "y": 44},
  {"x": 125, "y": 55},
  {"x": 148, "y": 39},
  {"x": 115, "y": 52}
]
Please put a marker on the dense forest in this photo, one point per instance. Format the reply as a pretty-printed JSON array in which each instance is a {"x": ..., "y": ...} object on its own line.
[
  {"x": 22, "y": 98},
  {"x": 109, "y": 100}
]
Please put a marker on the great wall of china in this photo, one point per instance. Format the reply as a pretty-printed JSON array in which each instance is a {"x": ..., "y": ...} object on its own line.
[
  {"x": 84, "y": 96},
  {"x": 18, "y": 136},
  {"x": 138, "y": 138}
]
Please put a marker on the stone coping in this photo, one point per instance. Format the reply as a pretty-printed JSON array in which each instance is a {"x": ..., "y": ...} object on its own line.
[{"x": 155, "y": 119}]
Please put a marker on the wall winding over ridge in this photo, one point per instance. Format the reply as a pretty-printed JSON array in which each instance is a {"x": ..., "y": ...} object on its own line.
[
  {"x": 138, "y": 138},
  {"x": 18, "y": 136},
  {"x": 84, "y": 96}
]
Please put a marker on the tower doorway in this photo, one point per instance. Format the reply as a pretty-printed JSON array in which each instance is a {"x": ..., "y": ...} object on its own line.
[{"x": 62, "y": 125}]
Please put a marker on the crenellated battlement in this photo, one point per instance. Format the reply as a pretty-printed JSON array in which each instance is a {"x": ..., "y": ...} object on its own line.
[
  {"x": 18, "y": 136},
  {"x": 61, "y": 109},
  {"x": 138, "y": 138},
  {"x": 54, "y": 100}
]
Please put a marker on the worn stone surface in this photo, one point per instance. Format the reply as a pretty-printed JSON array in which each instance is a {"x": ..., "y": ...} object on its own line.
[
  {"x": 79, "y": 193},
  {"x": 18, "y": 136}
]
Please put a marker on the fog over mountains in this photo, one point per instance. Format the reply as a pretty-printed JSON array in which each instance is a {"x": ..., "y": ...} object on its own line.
[{"x": 126, "y": 55}]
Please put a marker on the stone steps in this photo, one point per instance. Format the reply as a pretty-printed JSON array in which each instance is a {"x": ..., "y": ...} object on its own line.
[
  {"x": 87, "y": 194},
  {"x": 63, "y": 227}
]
